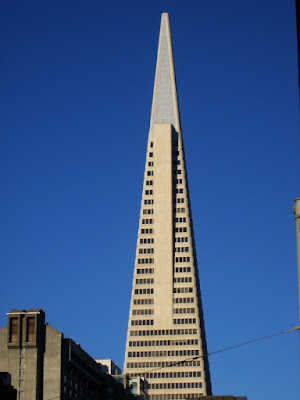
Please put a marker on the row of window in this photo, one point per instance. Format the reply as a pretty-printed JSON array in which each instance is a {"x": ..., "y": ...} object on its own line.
[
  {"x": 181, "y": 249},
  {"x": 180, "y": 210},
  {"x": 180, "y": 219},
  {"x": 145, "y": 271},
  {"x": 150, "y": 173},
  {"x": 146, "y": 241},
  {"x": 169, "y": 353},
  {"x": 148, "y": 221},
  {"x": 177, "y": 385},
  {"x": 146, "y": 251},
  {"x": 180, "y": 200},
  {"x": 184, "y": 310},
  {"x": 181, "y": 229},
  {"x": 179, "y": 190},
  {"x": 143, "y": 312},
  {"x": 184, "y": 374},
  {"x": 149, "y": 183},
  {"x": 181, "y": 239},
  {"x": 143, "y": 291},
  {"x": 143, "y": 301},
  {"x": 162, "y": 364},
  {"x": 183, "y": 300},
  {"x": 148, "y": 211},
  {"x": 145, "y": 281},
  {"x": 148, "y": 192},
  {"x": 182, "y": 259},
  {"x": 178, "y": 181},
  {"x": 183, "y": 290},
  {"x": 140, "y": 322},
  {"x": 147, "y": 231},
  {"x": 150, "y": 163},
  {"x": 162, "y": 332},
  {"x": 148, "y": 201},
  {"x": 183, "y": 321},
  {"x": 146, "y": 343},
  {"x": 183, "y": 269},
  {"x": 145, "y": 260},
  {"x": 183, "y": 279}
]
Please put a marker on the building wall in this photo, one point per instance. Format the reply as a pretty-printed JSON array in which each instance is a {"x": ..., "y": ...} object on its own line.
[
  {"x": 22, "y": 355},
  {"x": 52, "y": 363}
]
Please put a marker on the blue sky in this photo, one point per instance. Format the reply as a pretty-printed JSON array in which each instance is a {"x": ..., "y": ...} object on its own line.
[{"x": 77, "y": 80}]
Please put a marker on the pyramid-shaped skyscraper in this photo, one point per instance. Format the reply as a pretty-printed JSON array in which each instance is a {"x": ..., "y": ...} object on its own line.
[{"x": 166, "y": 337}]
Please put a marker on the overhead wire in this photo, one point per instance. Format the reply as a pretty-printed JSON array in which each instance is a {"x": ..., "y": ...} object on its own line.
[
  {"x": 219, "y": 351},
  {"x": 211, "y": 353}
]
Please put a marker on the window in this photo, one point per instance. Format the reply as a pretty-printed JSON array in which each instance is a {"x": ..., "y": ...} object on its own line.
[
  {"x": 182, "y": 259},
  {"x": 145, "y": 231},
  {"x": 145, "y": 281},
  {"x": 146, "y": 251},
  {"x": 183, "y": 290},
  {"x": 30, "y": 329},
  {"x": 181, "y": 249},
  {"x": 145, "y": 260},
  {"x": 181, "y": 229},
  {"x": 143, "y": 301},
  {"x": 150, "y": 164},
  {"x": 21, "y": 372},
  {"x": 151, "y": 154},
  {"x": 150, "y": 173},
  {"x": 21, "y": 395},
  {"x": 147, "y": 221},
  {"x": 21, "y": 383},
  {"x": 145, "y": 271},
  {"x": 149, "y": 201},
  {"x": 181, "y": 239},
  {"x": 148, "y": 192},
  {"x": 146, "y": 241},
  {"x": 144, "y": 291},
  {"x": 149, "y": 183},
  {"x": 13, "y": 330},
  {"x": 148, "y": 211}
]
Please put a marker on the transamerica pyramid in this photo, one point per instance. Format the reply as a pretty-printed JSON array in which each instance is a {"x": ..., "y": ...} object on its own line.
[{"x": 166, "y": 337}]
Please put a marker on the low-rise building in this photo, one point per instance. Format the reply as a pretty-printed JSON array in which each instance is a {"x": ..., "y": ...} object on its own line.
[{"x": 44, "y": 365}]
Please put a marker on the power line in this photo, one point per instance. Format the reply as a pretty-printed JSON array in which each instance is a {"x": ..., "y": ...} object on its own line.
[
  {"x": 221, "y": 350},
  {"x": 297, "y": 328}
]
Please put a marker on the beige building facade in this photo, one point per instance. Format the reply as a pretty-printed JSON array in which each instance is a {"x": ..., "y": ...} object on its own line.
[{"x": 166, "y": 338}]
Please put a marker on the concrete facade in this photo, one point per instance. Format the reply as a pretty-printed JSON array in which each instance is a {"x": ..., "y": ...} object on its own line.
[
  {"x": 166, "y": 325},
  {"x": 44, "y": 365}
]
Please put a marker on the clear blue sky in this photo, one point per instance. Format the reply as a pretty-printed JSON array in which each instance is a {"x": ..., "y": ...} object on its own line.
[{"x": 76, "y": 90}]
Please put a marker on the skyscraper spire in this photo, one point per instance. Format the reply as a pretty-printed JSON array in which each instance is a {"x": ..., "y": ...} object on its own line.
[
  {"x": 165, "y": 103},
  {"x": 166, "y": 320}
]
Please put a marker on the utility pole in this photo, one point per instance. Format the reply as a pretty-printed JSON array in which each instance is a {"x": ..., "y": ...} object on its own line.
[{"x": 296, "y": 210}]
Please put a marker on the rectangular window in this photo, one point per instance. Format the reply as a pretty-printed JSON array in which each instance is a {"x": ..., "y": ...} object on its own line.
[
  {"x": 30, "y": 329},
  {"x": 13, "y": 330}
]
